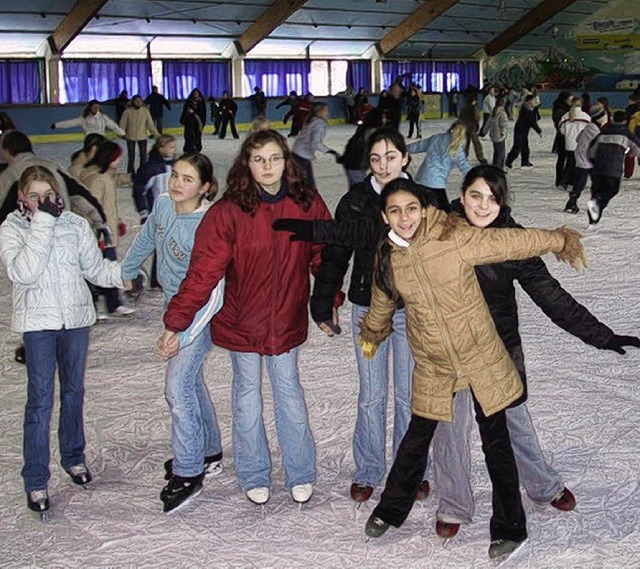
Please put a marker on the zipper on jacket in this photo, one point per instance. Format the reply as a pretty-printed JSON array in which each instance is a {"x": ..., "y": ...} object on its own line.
[{"x": 428, "y": 290}]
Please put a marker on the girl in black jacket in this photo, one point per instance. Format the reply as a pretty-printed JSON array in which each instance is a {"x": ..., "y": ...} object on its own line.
[{"x": 527, "y": 120}]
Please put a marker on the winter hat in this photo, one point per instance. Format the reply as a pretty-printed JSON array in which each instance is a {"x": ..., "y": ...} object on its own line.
[{"x": 596, "y": 112}]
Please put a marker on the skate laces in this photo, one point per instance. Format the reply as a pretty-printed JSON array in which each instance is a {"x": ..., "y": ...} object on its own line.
[
  {"x": 78, "y": 470},
  {"x": 38, "y": 496}
]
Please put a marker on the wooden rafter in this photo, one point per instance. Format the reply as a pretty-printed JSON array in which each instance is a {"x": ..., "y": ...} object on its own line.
[
  {"x": 529, "y": 22},
  {"x": 411, "y": 25},
  {"x": 266, "y": 23},
  {"x": 73, "y": 23}
]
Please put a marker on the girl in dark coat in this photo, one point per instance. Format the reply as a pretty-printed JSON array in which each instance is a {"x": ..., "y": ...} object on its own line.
[
  {"x": 228, "y": 110},
  {"x": 527, "y": 120}
]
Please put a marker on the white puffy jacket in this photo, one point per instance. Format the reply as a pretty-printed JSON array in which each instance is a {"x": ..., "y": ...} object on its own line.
[
  {"x": 571, "y": 128},
  {"x": 48, "y": 259}
]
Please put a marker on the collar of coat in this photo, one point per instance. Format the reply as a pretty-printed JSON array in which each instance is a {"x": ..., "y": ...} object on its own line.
[{"x": 274, "y": 198}]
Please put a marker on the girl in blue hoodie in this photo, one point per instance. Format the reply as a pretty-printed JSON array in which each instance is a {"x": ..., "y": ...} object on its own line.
[{"x": 169, "y": 231}]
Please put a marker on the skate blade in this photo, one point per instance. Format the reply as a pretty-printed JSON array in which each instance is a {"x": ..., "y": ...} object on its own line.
[
  {"x": 45, "y": 516},
  {"x": 499, "y": 561}
]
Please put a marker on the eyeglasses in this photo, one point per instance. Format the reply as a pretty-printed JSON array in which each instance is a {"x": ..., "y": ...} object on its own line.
[{"x": 273, "y": 160}]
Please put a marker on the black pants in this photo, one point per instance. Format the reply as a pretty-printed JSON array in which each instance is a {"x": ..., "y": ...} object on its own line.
[
  {"x": 472, "y": 137},
  {"x": 192, "y": 141},
  {"x": 561, "y": 160},
  {"x": 520, "y": 147},
  {"x": 231, "y": 122},
  {"x": 414, "y": 120},
  {"x": 507, "y": 521},
  {"x": 159, "y": 122},
  {"x": 131, "y": 151},
  {"x": 569, "y": 173},
  {"x": 603, "y": 189},
  {"x": 485, "y": 120},
  {"x": 579, "y": 183},
  {"x": 307, "y": 168},
  {"x": 499, "y": 151}
]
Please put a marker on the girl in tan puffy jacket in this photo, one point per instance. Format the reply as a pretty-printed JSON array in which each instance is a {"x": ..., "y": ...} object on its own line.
[
  {"x": 137, "y": 123},
  {"x": 428, "y": 260}
]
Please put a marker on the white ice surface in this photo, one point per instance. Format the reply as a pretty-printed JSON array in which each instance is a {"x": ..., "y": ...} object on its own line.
[{"x": 584, "y": 403}]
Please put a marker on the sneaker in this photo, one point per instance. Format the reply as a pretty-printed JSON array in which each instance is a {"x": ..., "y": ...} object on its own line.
[
  {"x": 123, "y": 310},
  {"x": 501, "y": 548},
  {"x": 593, "y": 209},
  {"x": 526, "y": 167},
  {"x": 179, "y": 491},
  {"x": 360, "y": 492},
  {"x": 446, "y": 530},
  {"x": 564, "y": 500},
  {"x": 423, "y": 491},
  {"x": 258, "y": 495},
  {"x": 79, "y": 474},
  {"x": 212, "y": 466},
  {"x": 301, "y": 493},
  {"x": 38, "y": 500},
  {"x": 375, "y": 526}
]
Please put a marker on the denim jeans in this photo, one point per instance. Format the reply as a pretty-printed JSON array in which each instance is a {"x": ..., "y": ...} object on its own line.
[
  {"x": 499, "y": 152},
  {"x": 194, "y": 430},
  {"x": 45, "y": 348},
  {"x": 250, "y": 446},
  {"x": 369, "y": 437},
  {"x": 452, "y": 466}
]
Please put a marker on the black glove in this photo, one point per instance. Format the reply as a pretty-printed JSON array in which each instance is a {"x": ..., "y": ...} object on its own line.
[
  {"x": 50, "y": 207},
  {"x": 138, "y": 285},
  {"x": 302, "y": 229},
  {"x": 53, "y": 126},
  {"x": 616, "y": 343}
]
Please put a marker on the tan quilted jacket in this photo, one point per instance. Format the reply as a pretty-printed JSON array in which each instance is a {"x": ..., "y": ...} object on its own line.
[{"x": 452, "y": 336}]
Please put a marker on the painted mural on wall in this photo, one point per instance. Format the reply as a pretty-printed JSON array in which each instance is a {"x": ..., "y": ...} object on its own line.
[{"x": 600, "y": 54}]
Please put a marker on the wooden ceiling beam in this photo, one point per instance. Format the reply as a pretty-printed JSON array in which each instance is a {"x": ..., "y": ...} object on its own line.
[
  {"x": 266, "y": 23},
  {"x": 411, "y": 25},
  {"x": 73, "y": 23},
  {"x": 529, "y": 22}
]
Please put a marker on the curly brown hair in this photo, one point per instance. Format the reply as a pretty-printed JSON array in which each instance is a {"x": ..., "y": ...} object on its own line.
[{"x": 242, "y": 188}]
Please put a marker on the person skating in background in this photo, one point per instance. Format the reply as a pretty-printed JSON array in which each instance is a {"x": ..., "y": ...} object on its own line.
[
  {"x": 92, "y": 120},
  {"x": 259, "y": 100},
  {"x": 442, "y": 152},
  {"x": 214, "y": 115},
  {"x": 311, "y": 140},
  {"x": 121, "y": 102},
  {"x": 571, "y": 125},
  {"x": 192, "y": 129},
  {"x": 196, "y": 99},
  {"x": 48, "y": 252},
  {"x": 299, "y": 113},
  {"x": 608, "y": 151},
  {"x": 348, "y": 97},
  {"x": 157, "y": 102},
  {"x": 470, "y": 116},
  {"x": 414, "y": 108},
  {"x": 137, "y": 123},
  {"x": 392, "y": 103},
  {"x": 484, "y": 204},
  {"x": 527, "y": 120},
  {"x": 263, "y": 271},
  {"x": 291, "y": 101},
  {"x": 228, "y": 110},
  {"x": 6, "y": 126},
  {"x": 488, "y": 103},
  {"x": 427, "y": 255},
  {"x": 169, "y": 232},
  {"x": 561, "y": 106},
  {"x": 497, "y": 128},
  {"x": 584, "y": 165},
  {"x": 100, "y": 177},
  {"x": 259, "y": 123}
]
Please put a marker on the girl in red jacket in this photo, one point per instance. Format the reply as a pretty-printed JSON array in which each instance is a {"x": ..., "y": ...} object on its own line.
[{"x": 264, "y": 316}]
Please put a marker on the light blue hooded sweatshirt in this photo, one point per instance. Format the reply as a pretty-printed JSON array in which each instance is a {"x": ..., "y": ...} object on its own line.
[
  {"x": 437, "y": 164},
  {"x": 171, "y": 236}
]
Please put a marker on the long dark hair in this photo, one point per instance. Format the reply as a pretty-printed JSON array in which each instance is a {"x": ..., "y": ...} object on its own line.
[
  {"x": 383, "y": 271},
  {"x": 495, "y": 179},
  {"x": 106, "y": 152},
  {"x": 242, "y": 188},
  {"x": 92, "y": 139}
]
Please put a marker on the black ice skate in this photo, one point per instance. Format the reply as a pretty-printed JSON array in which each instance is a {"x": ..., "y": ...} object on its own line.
[
  {"x": 79, "y": 474},
  {"x": 500, "y": 549},
  {"x": 179, "y": 491},
  {"x": 212, "y": 466},
  {"x": 38, "y": 500}
]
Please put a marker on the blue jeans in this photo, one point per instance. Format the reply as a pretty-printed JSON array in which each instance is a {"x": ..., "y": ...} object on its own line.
[
  {"x": 45, "y": 348},
  {"x": 250, "y": 447},
  {"x": 369, "y": 437},
  {"x": 452, "y": 465},
  {"x": 194, "y": 430}
]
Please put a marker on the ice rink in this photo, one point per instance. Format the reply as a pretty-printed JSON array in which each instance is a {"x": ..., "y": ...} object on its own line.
[{"x": 584, "y": 402}]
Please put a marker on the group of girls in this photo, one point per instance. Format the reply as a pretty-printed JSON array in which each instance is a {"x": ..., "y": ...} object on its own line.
[{"x": 424, "y": 299}]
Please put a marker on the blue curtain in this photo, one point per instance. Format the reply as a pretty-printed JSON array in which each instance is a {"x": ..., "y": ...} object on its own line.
[
  {"x": 19, "y": 82},
  {"x": 434, "y": 76},
  {"x": 182, "y": 77},
  {"x": 276, "y": 77},
  {"x": 359, "y": 74},
  {"x": 103, "y": 80}
]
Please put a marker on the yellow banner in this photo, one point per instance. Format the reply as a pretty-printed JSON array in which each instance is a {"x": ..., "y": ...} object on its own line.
[{"x": 609, "y": 42}]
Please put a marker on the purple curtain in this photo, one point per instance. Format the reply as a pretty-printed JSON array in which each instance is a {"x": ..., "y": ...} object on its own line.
[
  {"x": 359, "y": 74},
  {"x": 276, "y": 77},
  {"x": 434, "y": 76},
  {"x": 182, "y": 77},
  {"x": 20, "y": 81},
  {"x": 103, "y": 80}
]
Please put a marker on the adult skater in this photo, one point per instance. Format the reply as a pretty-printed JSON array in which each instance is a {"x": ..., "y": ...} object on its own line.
[{"x": 527, "y": 120}]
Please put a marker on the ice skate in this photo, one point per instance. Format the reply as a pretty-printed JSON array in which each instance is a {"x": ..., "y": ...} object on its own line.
[
  {"x": 593, "y": 211},
  {"x": 564, "y": 500},
  {"x": 360, "y": 493},
  {"x": 571, "y": 206},
  {"x": 423, "y": 491},
  {"x": 79, "y": 474},
  {"x": 500, "y": 549},
  {"x": 447, "y": 530},
  {"x": 301, "y": 493},
  {"x": 259, "y": 496},
  {"x": 375, "y": 527},
  {"x": 180, "y": 491},
  {"x": 212, "y": 466},
  {"x": 38, "y": 500}
]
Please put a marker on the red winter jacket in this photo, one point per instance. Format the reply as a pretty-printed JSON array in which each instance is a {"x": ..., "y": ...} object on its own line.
[{"x": 267, "y": 277}]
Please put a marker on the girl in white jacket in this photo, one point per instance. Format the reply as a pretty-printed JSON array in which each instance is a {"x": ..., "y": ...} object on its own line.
[
  {"x": 48, "y": 252},
  {"x": 91, "y": 121},
  {"x": 570, "y": 126}
]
